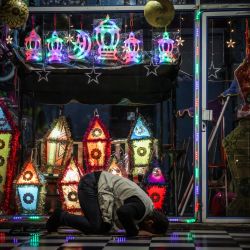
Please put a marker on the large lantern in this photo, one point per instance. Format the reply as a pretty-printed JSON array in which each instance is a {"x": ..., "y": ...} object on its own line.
[
  {"x": 132, "y": 48},
  {"x": 68, "y": 187},
  {"x": 165, "y": 47},
  {"x": 96, "y": 145},
  {"x": 141, "y": 144},
  {"x": 57, "y": 147},
  {"x": 9, "y": 145},
  {"x": 33, "y": 47},
  {"x": 107, "y": 36},
  {"x": 30, "y": 190}
]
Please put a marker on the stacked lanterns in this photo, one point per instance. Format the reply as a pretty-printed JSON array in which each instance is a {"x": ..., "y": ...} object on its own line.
[
  {"x": 33, "y": 47},
  {"x": 9, "y": 145},
  {"x": 68, "y": 186},
  {"x": 96, "y": 145},
  {"x": 30, "y": 190}
]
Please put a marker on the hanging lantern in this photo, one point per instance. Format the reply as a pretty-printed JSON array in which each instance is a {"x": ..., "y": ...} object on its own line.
[
  {"x": 54, "y": 48},
  {"x": 9, "y": 144},
  {"x": 140, "y": 143},
  {"x": 57, "y": 145},
  {"x": 68, "y": 186},
  {"x": 96, "y": 145},
  {"x": 30, "y": 190},
  {"x": 115, "y": 167},
  {"x": 165, "y": 47},
  {"x": 157, "y": 195},
  {"x": 156, "y": 177},
  {"x": 107, "y": 36},
  {"x": 81, "y": 46},
  {"x": 33, "y": 47}
]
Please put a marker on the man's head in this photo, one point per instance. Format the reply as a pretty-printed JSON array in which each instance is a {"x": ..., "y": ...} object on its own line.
[{"x": 155, "y": 223}]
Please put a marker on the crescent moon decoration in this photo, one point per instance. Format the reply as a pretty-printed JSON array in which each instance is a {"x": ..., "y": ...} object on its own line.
[{"x": 81, "y": 47}]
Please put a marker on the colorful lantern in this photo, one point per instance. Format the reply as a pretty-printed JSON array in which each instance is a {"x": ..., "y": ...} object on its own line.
[
  {"x": 96, "y": 145},
  {"x": 68, "y": 186},
  {"x": 33, "y": 47},
  {"x": 81, "y": 46},
  {"x": 57, "y": 145},
  {"x": 55, "y": 46},
  {"x": 107, "y": 36},
  {"x": 157, "y": 195},
  {"x": 30, "y": 190},
  {"x": 165, "y": 47},
  {"x": 9, "y": 145},
  {"x": 156, "y": 176},
  {"x": 115, "y": 167},
  {"x": 140, "y": 143},
  {"x": 132, "y": 48}
]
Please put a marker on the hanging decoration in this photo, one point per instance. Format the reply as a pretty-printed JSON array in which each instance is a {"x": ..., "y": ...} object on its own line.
[
  {"x": 159, "y": 13},
  {"x": 93, "y": 76},
  {"x": 55, "y": 51},
  {"x": 68, "y": 186},
  {"x": 14, "y": 13},
  {"x": 107, "y": 37},
  {"x": 42, "y": 75},
  {"x": 96, "y": 145},
  {"x": 115, "y": 167},
  {"x": 33, "y": 45},
  {"x": 151, "y": 68},
  {"x": 9, "y": 40},
  {"x": 9, "y": 145},
  {"x": 57, "y": 147},
  {"x": 157, "y": 194},
  {"x": 132, "y": 49},
  {"x": 30, "y": 190},
  {"x": 230, "y": 43},
  {"x": 140, "y": 143},
  {"x": 212, "y": 71},
  {"x": 179, "y": 39}
]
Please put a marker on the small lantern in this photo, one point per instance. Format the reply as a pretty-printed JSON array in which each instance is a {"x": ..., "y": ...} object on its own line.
[
  {"x": 115, "y": 167},
  {"x": 157, "y": 195},
  {"x": 165, "y": 47},
  {"x": 33, "y": 47},
  {"x": 96, "y": 145},
  {"x": 57, "y": 145},
  {"x": 140, "y": 143},
  {"x": 81, "y": 46},
  {"x": 132, "y": 49},
  {"x": 68, "y": 187},
  {"x": 9, "y": 145},
  {"x": 55, "y": 48},
  {"x": 30, "y": 190},
  {"x": 107, "y": 36}
]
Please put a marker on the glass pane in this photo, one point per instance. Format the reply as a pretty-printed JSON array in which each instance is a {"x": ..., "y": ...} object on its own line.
[
  {"x": 223, "y": 1},
  {"x": 229, "y": 131}
]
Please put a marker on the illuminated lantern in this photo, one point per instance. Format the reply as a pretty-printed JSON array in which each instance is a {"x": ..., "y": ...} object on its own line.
[
  {"x": 96, "y": 145},
  {"x": 9, "y": 145},
  {"x": 140, "y": 143},
  {"x": 132, "y": 48},
  {"x": 115, "y": 167},
  {"x": 156, "y": 176},
  {"x": 55, "y": 48},
  {"x": 30, "y": 190},
  {"x": 57, "y": 145},
  {"x": 68, "y": 186},
  {"x": 107, "y": 36},
  {"x": 157, "y": 195},
  {"x": 81, "y": 47},
  {"x": 33, "y": 47},
  {"x": 165, "y": 47}
]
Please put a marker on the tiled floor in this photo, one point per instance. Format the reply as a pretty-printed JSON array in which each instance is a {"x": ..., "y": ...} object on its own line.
[{"x": 67, "y": 239}]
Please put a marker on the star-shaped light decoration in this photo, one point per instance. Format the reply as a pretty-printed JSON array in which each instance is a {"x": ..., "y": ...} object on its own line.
[
  {"x": 213, "y": 71},
  {"x": 9, "y": 39},
  {"x": 93, "y": 76},
  {"x": 230, "y": 43},
  {"x": 179, "y": 41},
  {"x": 43, "y": 75},
  {"x": 69, "y": 38},
  {"x": 152, "y": 68}
]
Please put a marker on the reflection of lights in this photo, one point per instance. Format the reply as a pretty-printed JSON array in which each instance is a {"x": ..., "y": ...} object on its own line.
[
  {"x": 120, "y": 240},
  {"x": 2, "y": 237},
  {"x": 34, "y": 239},
  {"x": 17, "y": 218},
  {"x": 69, "y": 238}
]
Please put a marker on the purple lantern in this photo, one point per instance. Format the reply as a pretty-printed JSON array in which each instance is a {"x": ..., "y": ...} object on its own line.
[
  {"x": 32, "y": 44},
  {"x": 165, "y": 47}
]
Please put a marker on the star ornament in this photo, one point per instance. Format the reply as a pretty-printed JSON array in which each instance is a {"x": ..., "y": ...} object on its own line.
[
  {"x": 69, "y": 38},
  {"x": 213, "y": 71},
  {"x": 93, "y": 76},
  {"x": 230, "y": 43},
  {"x": 151, "y": 68},
  {"x": 43, "y": 75},
  {"x": 180, "y": 41},
  {"x": 9, "y": 39}
]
